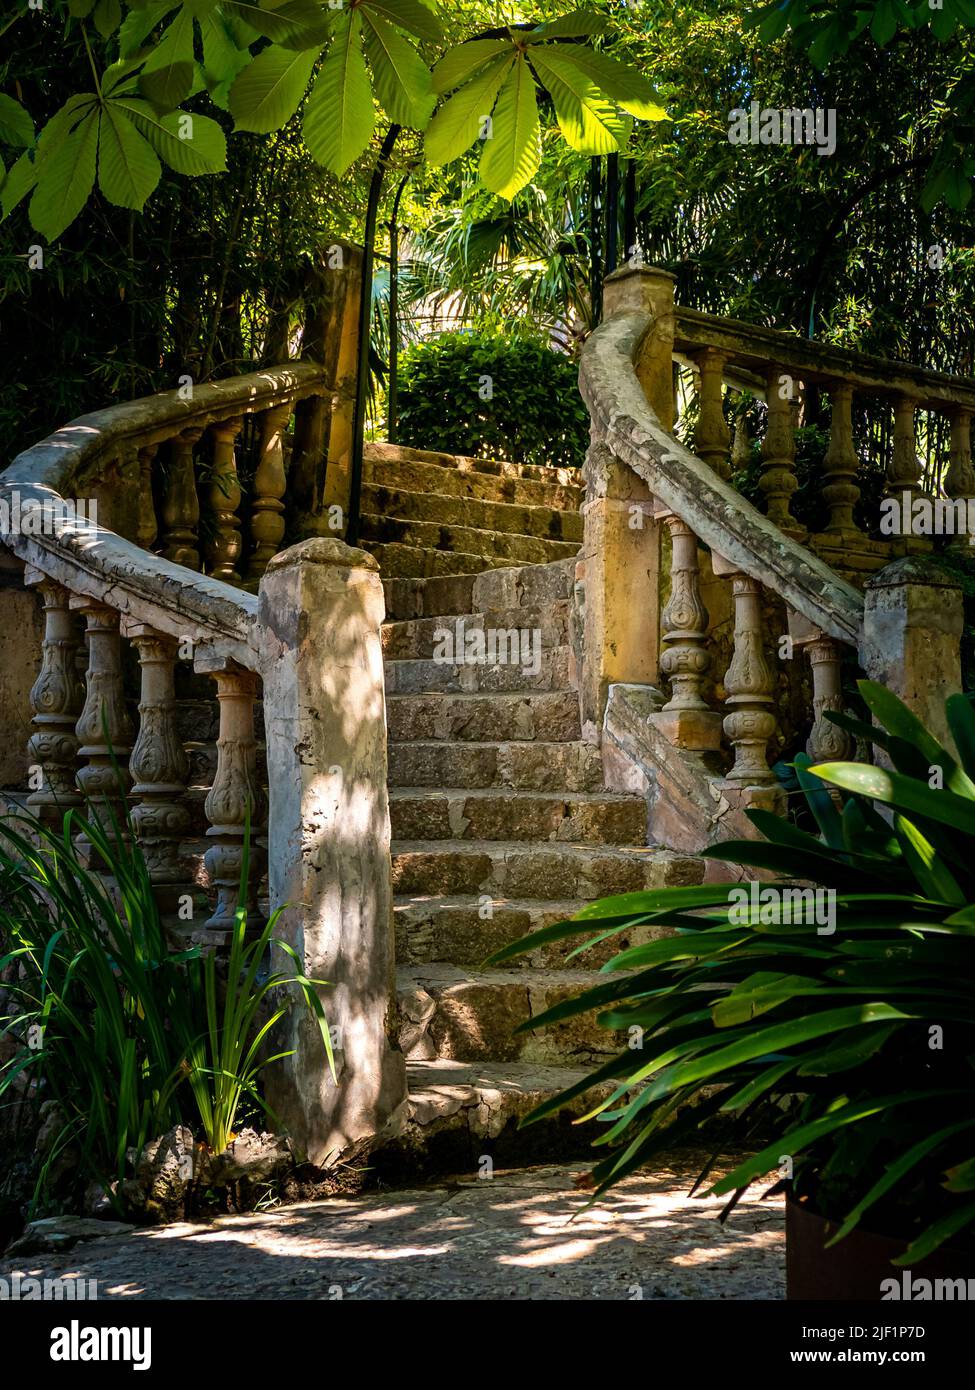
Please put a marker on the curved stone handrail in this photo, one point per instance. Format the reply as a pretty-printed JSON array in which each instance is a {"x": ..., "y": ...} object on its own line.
[
  {"x": 718, "y": 515},
  {"x": 95, "y": 561}
]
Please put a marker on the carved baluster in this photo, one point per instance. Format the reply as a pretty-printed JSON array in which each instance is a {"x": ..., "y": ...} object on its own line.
[
  {"x": 148, "y": 528},
  {"x": 827, "y": 742},
  {"x": 56, "y": 699},
  {"x": 960, "y": 477},
  {"x": 104, "y": 729},
  {"x": 778, "y": 480},
  {"x": 159, "y": 765},
  {"x": 711, "y": 438},
  {"x": 684, "y": 622},
  {"x": 223, "y": 496},
  {"x": 749, "y": 684},
  {"x": 181, "y": 506},
  {"x": 840, "y": 464},
  {"x": 741, "y": 449},
  {"x": 235, "y": 788},
  {"x": 904, "y": 466},
  {"x": 267, "y": 516}
]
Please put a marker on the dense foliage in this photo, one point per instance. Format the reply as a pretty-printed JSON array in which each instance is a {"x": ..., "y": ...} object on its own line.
[
  {"x": 846, "y": 1036},
  {"x": 493, "y": 397}
]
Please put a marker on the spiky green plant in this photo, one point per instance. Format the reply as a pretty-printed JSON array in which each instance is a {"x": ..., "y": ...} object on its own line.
[{"x": 853, "y": 1048}]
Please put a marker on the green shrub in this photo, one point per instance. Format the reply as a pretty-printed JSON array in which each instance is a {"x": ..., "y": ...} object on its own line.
[
  {"x": 854, "y": 1047},
  {"x": 492, "y": 397}
]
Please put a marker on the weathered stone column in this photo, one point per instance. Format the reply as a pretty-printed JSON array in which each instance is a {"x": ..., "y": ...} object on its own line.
[
  {"x": 827, "y": 742},
  {"x": 960, "y": 477},
  {"x": 778, "y": 481},
  {"x": 841, "y": 492},
  {"x": 270, "y": 481},
  {"x": 911, "y": 640},
  {"x": 56, "y": 699},
  {"x": 748, "y": 683},
  {"x": 321, "y": 609},
  {"x": 621, "y": 538},
  {"x": 711, "y": 437},
  {"x": 104, "y": 729},
  {"x": 158, "y": 764},
  {"x": 223, "y": 496},
  {"x": 181, "y": 506},
  {"x": 341, "y": 325},
  {"x": 904, "y": 466},
  {"x": 148, "y": 525}
]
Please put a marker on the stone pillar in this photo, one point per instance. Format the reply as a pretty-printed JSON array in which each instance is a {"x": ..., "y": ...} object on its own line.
[
  {"x": 960, "y": 477},
  {"x": 320, "y": 613},
  {"x": 104, "y": 729},
  {"x": 181, "y": 506},
  {"x": 56, "y": 699},
  {"x": 159, "y": 765},
  {"x": 827, "y": 742},
  {"x": 223, "y": 496},
  {"x": 148, "y": 527},
  {"x": 621, "y": 537},
  {"x": 270, "y": 481},
  {"x": 840, "y": 465},
  {"x": 778, "y": 480},
  {"x": 911, "y": 640},
  {"x": 903, "y": 466},
  {"x": 749, "y": 683},
  {"x": 711, "y": 437},
  {"x": 234, "y": 797}
]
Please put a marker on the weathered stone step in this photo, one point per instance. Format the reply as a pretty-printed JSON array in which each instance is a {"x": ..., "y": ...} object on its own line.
[
  {"x": 517, "y": 870},
  {"x": 414, "y": 639},
  {"x": 547, "y": 523},
  {"x": 471, "y": 1015},
  {"x": 459, "y": 1112},
  {"x": 545, "y": 715},
  {"x": 523, "y": 665},
  {"x": 595, "y": 818},
  {"x": 525, "y": 766},
  {"x": 419, "y": 470},
  {"x": 498, "y": 589},
  {"x": 463, "y": 540},
  {"x": 397, "y": 561},
  {"x": 465, "y": 929}
]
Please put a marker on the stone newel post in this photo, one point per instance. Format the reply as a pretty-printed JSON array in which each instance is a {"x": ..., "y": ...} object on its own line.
[
  {"x": 320, "y": 611},
  {"x": 912, "y": 627}
]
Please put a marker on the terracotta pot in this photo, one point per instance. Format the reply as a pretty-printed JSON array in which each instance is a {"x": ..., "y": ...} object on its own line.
[{"x": 854, "y": 1270}]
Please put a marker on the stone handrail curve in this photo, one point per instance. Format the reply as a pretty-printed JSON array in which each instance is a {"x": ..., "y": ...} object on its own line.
[
  {"x": 719, "y": 516},
  {"x": 94, "y": 561}
]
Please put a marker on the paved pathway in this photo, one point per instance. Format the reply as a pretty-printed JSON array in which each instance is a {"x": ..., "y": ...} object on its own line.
[{"x": 512, "y": 1236}]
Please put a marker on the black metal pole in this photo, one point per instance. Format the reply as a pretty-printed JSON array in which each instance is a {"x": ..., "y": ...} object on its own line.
[
  {"x": 392, "y": 394},
  {"x": 595, "y": 240},
  {"x": 612, "y": 211},
  {"x": 629, "y": 210},
  {"x": 365, "y": 329}
]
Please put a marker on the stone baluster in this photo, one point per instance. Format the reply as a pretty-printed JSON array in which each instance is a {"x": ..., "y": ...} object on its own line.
[
  {"x": 749, "y": 685},
  {"x": 104, "y": 729},
  {"x": 223, "y": 496},
  {"x": 741, "y": 448},
  {"x": 235, "y": 790},
  {"x": 840, "y": 464},
  {"x": 904, "y": 466},
  {"x": 181, "y": 506},
  {"x": 270, "y": 480},
  {"x": 778, "y": 480},
  {"x": 711, "y": 437},
  {"x": 159, "y": 765},
  {"x": 148, "y": 530},
  {"x": 56, "y": 699},
  {"x": 960, "y": 476},
  {"x": 827, "y": 742},
  {"x": 684, "y": 622}
]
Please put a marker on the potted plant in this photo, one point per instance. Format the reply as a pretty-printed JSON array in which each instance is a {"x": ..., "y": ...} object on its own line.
[{"x": 827, "y": 1013}]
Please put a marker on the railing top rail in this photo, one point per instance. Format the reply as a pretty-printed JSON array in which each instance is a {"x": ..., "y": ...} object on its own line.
[
  {"x": 718, "y": 515},
  {"x": 753, "y": 346},
  {"x": 93, "y": 561}
]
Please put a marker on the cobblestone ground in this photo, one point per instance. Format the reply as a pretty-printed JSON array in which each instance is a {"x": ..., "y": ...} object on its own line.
[{"x": 520, "y": 1235}]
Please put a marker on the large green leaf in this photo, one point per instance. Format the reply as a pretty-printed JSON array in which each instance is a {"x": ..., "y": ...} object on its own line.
[
  {"x": 268, "y": 91},
  {"x": 339, "y": 118},
  {"x": 578, "y": 24},
  {"x": 299, "y": 23},
  {"x": 904, "y": 724},
  {"x": 66, "y": 181},
  {"x": 16, "y": 126},
  {"x": 402, "y": 78},
  {"x": 622, "y": 83},
  {"x": 590, "y": 121},
  {"x": 458, "y": 123},
  {"x": 201, "y": 150},
  {"x": 903, "y": 793},
  {"x": 462, "y": 62},
  {"x": 139, "y": 24},
  {"x": 410, "y": 15},
  {"x": 167, "y": 77},
  {"x": 513, "y": 153},
  {"x": 222, "y": 59},
  {"x": 128, "y": 169}
]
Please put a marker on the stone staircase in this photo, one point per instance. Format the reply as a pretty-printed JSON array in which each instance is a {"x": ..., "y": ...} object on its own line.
[{"x": 500, "y": 820}]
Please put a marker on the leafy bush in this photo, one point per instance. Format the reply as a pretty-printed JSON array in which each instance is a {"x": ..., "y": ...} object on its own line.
[
  {"x": 125, "y": 1034},
  {"x": 856, "y": 1046},
  {"x": 492, "y": 397}
]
